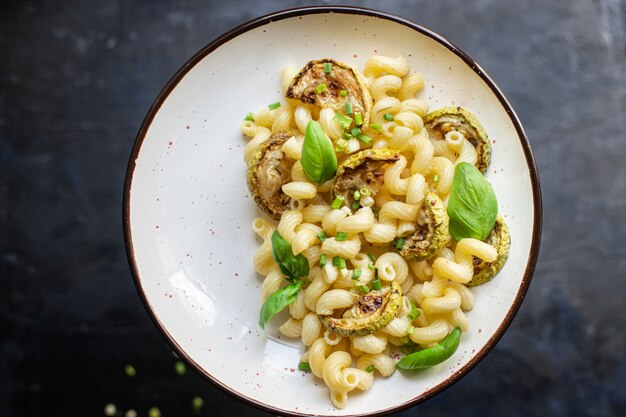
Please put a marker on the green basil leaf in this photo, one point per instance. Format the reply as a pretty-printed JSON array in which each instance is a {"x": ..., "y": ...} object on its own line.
[
  {"x": 277, "y": 301},
  {"x": 472, "y": 206},
  {"x": 319, "y": 161},
  {"x": 295, "y": 267}
]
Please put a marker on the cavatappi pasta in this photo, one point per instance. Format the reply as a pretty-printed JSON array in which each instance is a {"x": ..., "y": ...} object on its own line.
[{"x": 372, "y": 226}]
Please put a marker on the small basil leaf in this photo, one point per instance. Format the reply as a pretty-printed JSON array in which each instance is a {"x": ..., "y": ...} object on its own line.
[
  {"x": 472, "y": 206},
  {"x": 277, "y": 301},
  {"x": 319, "y": 161},
  {"x": 295, "y": 267}
]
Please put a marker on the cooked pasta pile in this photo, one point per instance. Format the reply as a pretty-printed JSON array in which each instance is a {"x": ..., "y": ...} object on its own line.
[{"x": 380, "y": 219}]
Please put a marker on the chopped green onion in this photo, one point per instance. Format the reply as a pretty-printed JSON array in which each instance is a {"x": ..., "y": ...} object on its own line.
[
  {"x": 415, "y": 313},
  {"x": 357, "y": 195},
  {"x": 358, "y": 119},
  {"x": 399, "y": 243},
  {"x": 341, "y": 145},
  {"x": 369, "y": 255},
  {"x": 356, "y": 205},
  {"x": 154, "y": 412},
  {"x": 348, "y": 107},
  {"x": 274, "y": 106},
  {"x": 328, "y": 67},
  {"x": 322, "y": 236},
  {"x": 197, "y": 403},
  {"x": 376, "y": 126},
  {"x": 336, "y": 260},
  {"x": 376, "y": 284},
  {"x": 130, "y": 370},
  {"x": 388, "y": 117},
  {"x": 346, "y": 135},
  {"x": 341, "y": 236},
  {"x": 371, "y": 267},
  {"x": 342, "y": 263},
  {"x": 370, "y": 368},
  {"x": 355, "y": 131},
  {"x": 356, "y": 274},
  {"x": 322, "y": 260},
  {"x": 320, "y": 88},
  {"x": 338, "y": 202},
  {"x": 343, "y": 93},
  {"x": 304, "y": 366},
  {"x": 179, "y": 367},
  {"x": 435, "y": 178},
  {"x": 342, "y": 120},
  {"x": 363, "y": 289},
  {"x": 411, "y": 330},
  {"x": 249, "y": 117},
  {"x": 365, "y": 191},
  {"x": 364, "y": 138}
]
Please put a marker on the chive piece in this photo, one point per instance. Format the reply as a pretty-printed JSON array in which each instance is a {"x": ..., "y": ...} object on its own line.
[
  {"x": 274, "y": 106},
  {"x": 369, "y": 255},
  {"x": 435, "y": 178},
  {"x": 399, "y": 243},
  {"x": 355, "y": 131},
  {"x": 376, "y": 284},
  {"x": 343, "y": 93},
  {"x": 341, "y": 236},
  {"x": 415, "y": 313},
  {"x": 411, "y": 330},
  {"x": 179, "y": 367},
  {"x": 388, "y": 117},
  {"x": 336, "y": 260},
  {"x": 376, "y": 127},
  {"x": 365, "y": 191},
  {"x": 320, "y": 88},
  {"x": 322, "y": 236},
  {"x": 357, "y": 194},
  {"x": 342, "y": 120},
  {"x": 322, "y": 260},
  {"x": 304, "y": 366},
  {"x": 358, "y": 119},
  {"x": 346, "y": 135},
  {"x": 370, "y": 368},
  {"x": 356, "y": 205},
  {"x": 328, "y": 67},
  {"x": 364, "y": 138},
  {"x": 348, "y": 107},
  {"x": 249, "y": 117},
  {"x": 371, "y": 267},
  {"x": 130, "y": 370},
  {"x": 341, "y": 145},
  {"x": 342, "y": 263},
  {"x": 338, "y": 202},
  {"x": 356, "y": 274},
  {"x": 154, "y": 412},
  {"x": 363, "y": 289},
  {"x": 197, "y": 403}
]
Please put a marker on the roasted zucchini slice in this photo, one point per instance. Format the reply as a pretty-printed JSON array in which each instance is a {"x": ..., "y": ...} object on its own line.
[
  {"x": 370, "y": 313},
  {"x": 499, "y": 239},
  {"x": 268, "y": 170},
  {"x": 330, "y": 83},
  {"x": 442, "y": 121},
  {"x": 363, "y": 170},
  {"x": 432, "y": 230}
]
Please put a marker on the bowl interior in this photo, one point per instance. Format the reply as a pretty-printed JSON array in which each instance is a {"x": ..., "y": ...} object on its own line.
[{"x": 189, "y": 211}]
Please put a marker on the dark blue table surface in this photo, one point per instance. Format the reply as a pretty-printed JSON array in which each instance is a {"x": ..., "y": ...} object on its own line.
[{"x": 77, "y": 78}]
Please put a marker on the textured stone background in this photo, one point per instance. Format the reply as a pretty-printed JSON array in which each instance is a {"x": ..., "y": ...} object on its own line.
[{"x": 76, "y": 79}]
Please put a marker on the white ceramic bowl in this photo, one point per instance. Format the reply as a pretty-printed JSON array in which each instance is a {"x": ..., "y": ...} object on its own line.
[{"x": 187, "y": 210}]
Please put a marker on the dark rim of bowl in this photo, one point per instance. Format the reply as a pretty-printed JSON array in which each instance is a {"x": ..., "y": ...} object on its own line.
[{"x": 290, "y": 13}]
